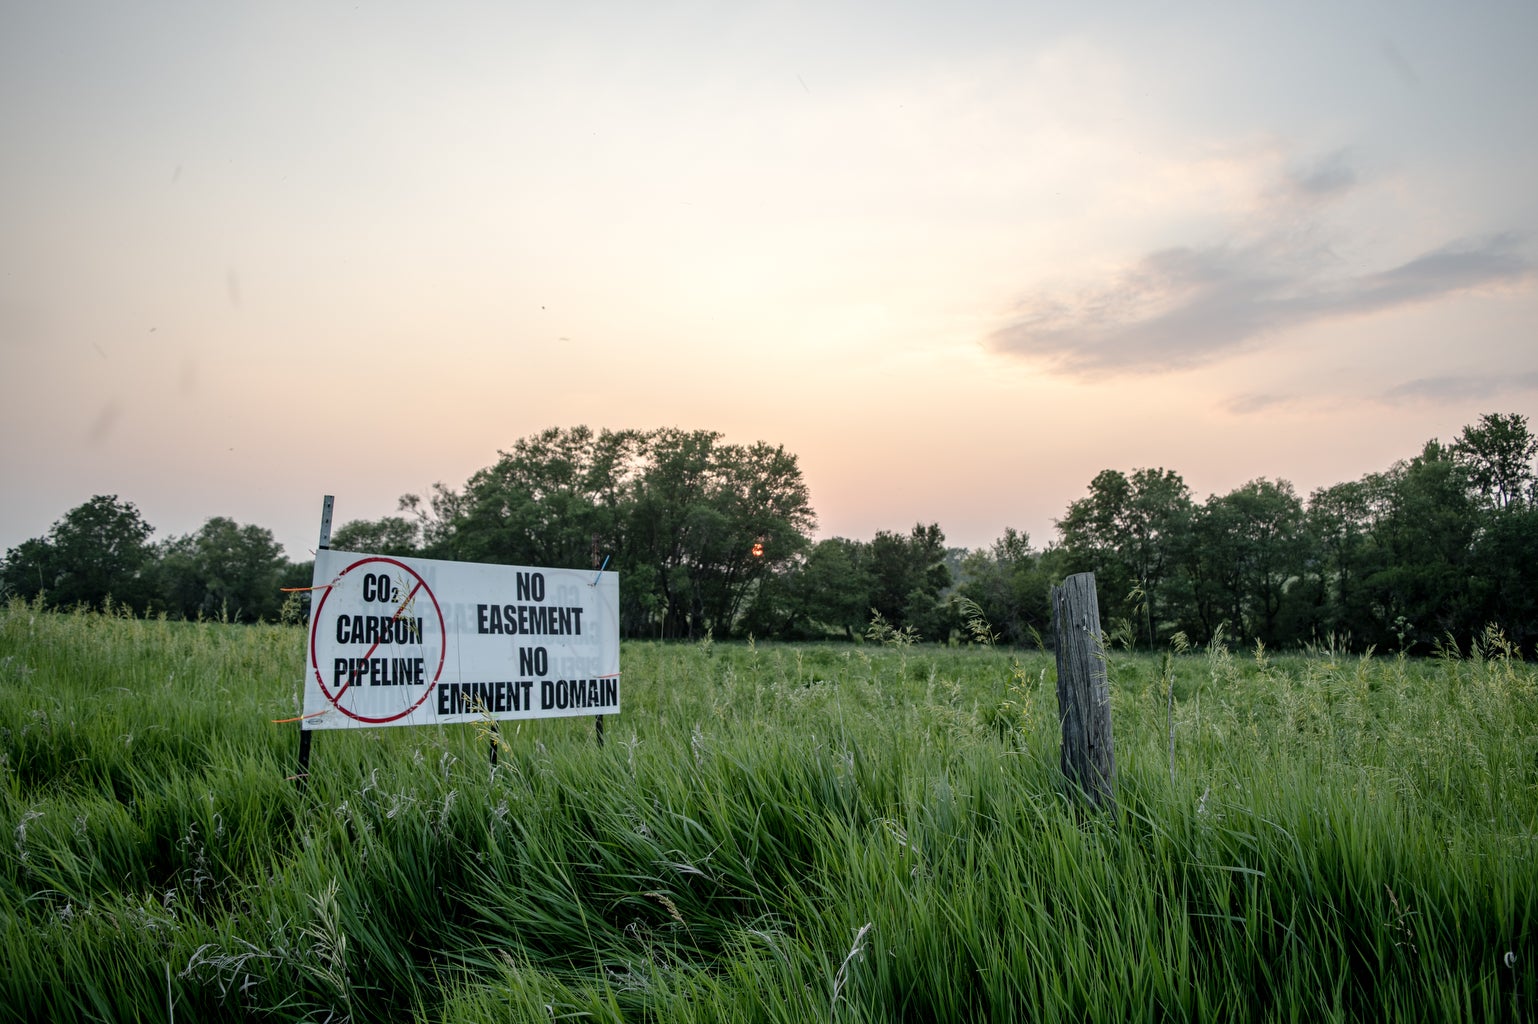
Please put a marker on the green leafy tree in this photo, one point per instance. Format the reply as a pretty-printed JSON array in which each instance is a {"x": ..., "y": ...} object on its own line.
[
  {"x": 909, "y": 574},
  {"x": 1498, "y": 454},
  {"x": 30, "y": 569},
  {"x": 830, "y": 591},
  {"x": 99, "y": 549},
  {"x": 1128, "y": 531},
  {"x": 389, "y": 535},
  {"x": 710, "y": 520},
  {"x": 438, "y": 517},
  {"x": 225, "y": 570},
  {"x": 1423, "y": 543},
  {"x": 668, "y": 524},
  {"x": 1339, "y": 522},
  {"x": 1009, "y": 586},
  {"x": 1250, "y": 553},
  {"x": 678, "y": 513},
  {"x": 1091, "y": 534},
  {"x": 547, "y": 497},
  {"x": 1503, "y": 576}
]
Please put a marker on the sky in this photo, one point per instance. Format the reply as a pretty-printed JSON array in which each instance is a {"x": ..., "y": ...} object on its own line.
[{"x": 957, "y": 258}]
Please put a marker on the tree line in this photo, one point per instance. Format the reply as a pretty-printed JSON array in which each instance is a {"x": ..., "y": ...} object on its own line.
[
  {"x": 100, "y": 555},
  {"x": 715, "y": 539},
  {"x": 1431, "y": 551}
]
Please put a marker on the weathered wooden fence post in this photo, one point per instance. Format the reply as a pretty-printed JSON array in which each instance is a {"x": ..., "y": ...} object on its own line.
[{"x": 1083, "y": 690}]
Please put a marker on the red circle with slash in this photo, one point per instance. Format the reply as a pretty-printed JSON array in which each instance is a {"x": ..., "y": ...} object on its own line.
[{"x": 315, "y": 620}]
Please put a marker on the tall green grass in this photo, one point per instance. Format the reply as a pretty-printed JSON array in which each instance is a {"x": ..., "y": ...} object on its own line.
[{"x": 769, "y": 833}]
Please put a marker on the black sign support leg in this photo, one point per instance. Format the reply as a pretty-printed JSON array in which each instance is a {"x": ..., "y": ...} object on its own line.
[
  {"x": 598, "y": 566},
  {"x": 304, "y": 758}
]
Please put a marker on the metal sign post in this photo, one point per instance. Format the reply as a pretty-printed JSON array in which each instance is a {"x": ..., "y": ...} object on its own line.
[{"x": 305, "y": 734}]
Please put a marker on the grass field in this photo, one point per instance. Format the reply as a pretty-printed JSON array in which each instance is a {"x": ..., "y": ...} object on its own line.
[{"x": 769, "y": 833}]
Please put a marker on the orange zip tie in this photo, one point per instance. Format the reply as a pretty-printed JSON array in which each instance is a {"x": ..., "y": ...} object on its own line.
[{"x": 312, "y": 714}]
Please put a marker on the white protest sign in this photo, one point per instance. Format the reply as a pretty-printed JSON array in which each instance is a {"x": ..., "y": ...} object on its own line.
[{"x": 414, "y": 641}]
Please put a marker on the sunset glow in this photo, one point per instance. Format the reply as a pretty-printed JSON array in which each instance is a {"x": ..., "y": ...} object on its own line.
[{"x": 957, "y": 260}]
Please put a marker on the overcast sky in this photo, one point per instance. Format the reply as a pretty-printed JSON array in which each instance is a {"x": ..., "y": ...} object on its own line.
[{"x": 957, "y": 257}]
